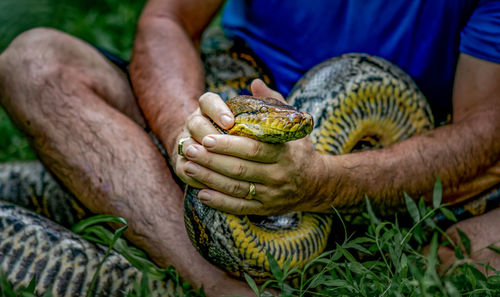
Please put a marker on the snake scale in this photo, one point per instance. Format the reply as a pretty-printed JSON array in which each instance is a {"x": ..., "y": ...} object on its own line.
[{"x": 357, "y": 102}]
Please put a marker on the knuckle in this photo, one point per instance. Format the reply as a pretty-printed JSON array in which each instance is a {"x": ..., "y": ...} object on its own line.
[
  {"x": 236, "y": 188},
  {"x": 222, "y": 144},
  {"x": 277, "y": 152},
  {"x": 205, "y": 97},
  {"x": 179, "y": 168},
  {"x": 206, "y": 177},
  {"x": 207, "y": 101},
  {"x": 254, "y": 150},
  {"x": 241, "y": 207},
  {"x": 195, "y": 122},
  {"x": 239, "y": 169},
  {"x": 279, "y": 177}
]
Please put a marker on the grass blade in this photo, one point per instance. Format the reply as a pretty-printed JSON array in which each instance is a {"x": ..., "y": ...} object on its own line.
[
  {"x": 465, "y": 240},
  {"x": 437, "y": 194},
  {"x": 252, "y": 284},
  {"x": 412, "y": 208},
  {"x": 449, "y": 214},
  {"x": 275, "y": 267},
  {"x": 494, "y": 248}
]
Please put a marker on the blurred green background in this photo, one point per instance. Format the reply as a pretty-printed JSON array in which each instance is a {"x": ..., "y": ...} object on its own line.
[{"x": 106, "y": 23}]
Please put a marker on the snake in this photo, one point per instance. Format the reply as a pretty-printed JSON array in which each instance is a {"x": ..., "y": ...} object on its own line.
[
  {"x": 349, "y": 103},
  {"x": 358, "y": 102}
]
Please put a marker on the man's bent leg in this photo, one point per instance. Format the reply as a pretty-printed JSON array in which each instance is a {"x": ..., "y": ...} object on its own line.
[
  {"x": 482, "y": 231},
  {"x": 65, "y": 97}
]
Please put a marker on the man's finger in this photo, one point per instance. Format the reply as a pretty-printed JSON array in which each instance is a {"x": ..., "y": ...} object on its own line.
[
  {"x": 217, "y": 181},
  {"x": 230, "y": 204},
  {"x": 199, "y": 126},
  {"x": 242, "y": 147},
  {"x": 229, "y": 166},
  {"x": 179, "y": 170},
  {"x": 214, "y": 107},
  {"x": 260, "y": 89}
]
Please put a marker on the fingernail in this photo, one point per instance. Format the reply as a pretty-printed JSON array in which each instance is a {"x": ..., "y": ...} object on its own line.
[
  {"x": 226, "y": 121},
  {"x": 204, "y": 196},
  {"x": 191, "y": 168},
  {"x": 208, "y": 142},
  {"x": 192, "y": 151}
]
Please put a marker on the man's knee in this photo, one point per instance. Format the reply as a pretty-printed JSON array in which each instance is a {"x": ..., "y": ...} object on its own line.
[
  {"x": 36, "y": 58},
  {"x": 35, "y": 45}
]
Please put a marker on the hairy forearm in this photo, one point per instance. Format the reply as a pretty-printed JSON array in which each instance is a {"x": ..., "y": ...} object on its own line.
[
  {"x": 464, "y": 154},
  {"x": 167, "y": 75}
]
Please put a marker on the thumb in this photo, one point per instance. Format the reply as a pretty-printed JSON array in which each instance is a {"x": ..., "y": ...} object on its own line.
[{"x": 260, "y": 89}]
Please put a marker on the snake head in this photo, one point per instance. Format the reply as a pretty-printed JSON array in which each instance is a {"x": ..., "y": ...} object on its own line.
[{"x": 268, "y": 119}]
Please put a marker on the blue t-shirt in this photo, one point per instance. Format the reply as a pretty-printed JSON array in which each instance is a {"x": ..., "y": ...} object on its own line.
[{"x": 423, "y": 37}]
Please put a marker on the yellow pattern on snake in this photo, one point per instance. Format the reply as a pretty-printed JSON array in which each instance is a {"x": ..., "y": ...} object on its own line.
[{"x": 358, "y": 102}]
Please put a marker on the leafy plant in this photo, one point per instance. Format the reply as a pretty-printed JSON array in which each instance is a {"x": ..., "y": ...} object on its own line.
[{"x": 388, "y": 261}]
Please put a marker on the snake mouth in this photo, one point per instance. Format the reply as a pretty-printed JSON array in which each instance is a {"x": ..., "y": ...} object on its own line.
[
  {"x": 273, "y": 128},
  {"x": 268, "y": 119},
  {"x": 275, "y": 133}
]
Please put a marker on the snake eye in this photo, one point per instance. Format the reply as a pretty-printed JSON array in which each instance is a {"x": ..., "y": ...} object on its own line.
[{"x": 263, "y": 109}]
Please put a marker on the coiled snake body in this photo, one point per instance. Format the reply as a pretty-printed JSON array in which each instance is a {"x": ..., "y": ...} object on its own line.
[{"x": 357, "y": 102}]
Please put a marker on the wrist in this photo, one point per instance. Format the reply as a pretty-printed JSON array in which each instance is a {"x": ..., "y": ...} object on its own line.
[
  {"x": 318, "y": 198},
  {"x": 334, "y": 185}
]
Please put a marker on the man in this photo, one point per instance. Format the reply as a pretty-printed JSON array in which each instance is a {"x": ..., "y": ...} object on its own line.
[{"x": 86, "y": 121}]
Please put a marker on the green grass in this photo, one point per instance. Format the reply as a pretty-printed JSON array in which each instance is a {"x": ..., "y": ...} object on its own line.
[
  {"x": 13, "y": 145},
  {"x": 384, "y": 261}
]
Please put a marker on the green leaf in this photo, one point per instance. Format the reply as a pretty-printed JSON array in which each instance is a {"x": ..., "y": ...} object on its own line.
[
  {"x": 336, "y": 283},
  {"x": 494, "y": 281},
  {"x": 5, "y": 287},
  {"x": 412, "y": 208},
  {"x": 465, "y": 240},
  {"x": 80, "y": 227},
  {"x": 449, "y": 214},
  {"x": 477, "y": 274},
  {"x": 421, "y": 206},
  {"x": 458, "y": 252},
  {"x": 371, "y": 213},
  {"x": 451, "y": 289},
  {"x": 346, "y": 254},
  {"x": 403, "y": 265},
  {"x": 471, "y": 277},
  {"x": 118, "y": 233},
  {"x": 351, "y": 245},
  {"x": 335, "y": 256},
  {"x": 286, "y": 266},
  {"x": 494, "y": 248},
  {"x": 275, "y": 267},
  {"x": 437, "y": 194},
  {"x": 252, "y": 284},
  {"x": 32, "y": 285}
]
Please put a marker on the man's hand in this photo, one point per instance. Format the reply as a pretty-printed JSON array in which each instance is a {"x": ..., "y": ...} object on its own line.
[
  {"x": 284, "y": 174},
  {"x": 199, "y": 125}
]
